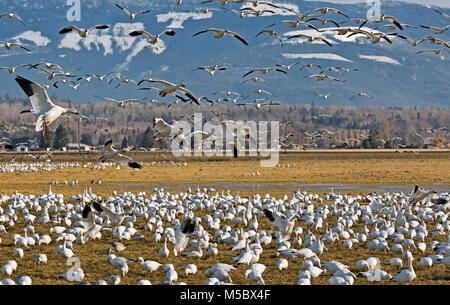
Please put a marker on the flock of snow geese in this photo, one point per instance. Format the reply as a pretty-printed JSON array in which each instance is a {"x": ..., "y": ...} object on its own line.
[
  {"x": 47, "y": 112},
  {"x": 402, "y": 227}
]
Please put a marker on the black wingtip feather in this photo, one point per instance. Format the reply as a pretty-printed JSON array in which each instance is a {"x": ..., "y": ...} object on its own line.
[
  {"x": 134, "y": 165},
  {"x": 97, "y": 207},
  {"x": 188, "y": 226},
  {"x": 269, "y": 215},
  {"x": 65, "y": 30},
  {"x": 108, "y": 142},
  {"x": 25, "y": 84},
  {"x": 86, "y": 211}
]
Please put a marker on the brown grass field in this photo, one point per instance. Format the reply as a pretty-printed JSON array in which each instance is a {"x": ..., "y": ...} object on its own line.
[{"x": 366, "y": 168}]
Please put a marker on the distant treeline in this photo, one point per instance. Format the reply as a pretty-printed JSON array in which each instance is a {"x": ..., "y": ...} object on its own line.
[{"x": 332, "y": 126}]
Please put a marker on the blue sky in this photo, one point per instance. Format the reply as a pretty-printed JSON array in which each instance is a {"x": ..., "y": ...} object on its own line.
[{"x": 441, "y": 3}]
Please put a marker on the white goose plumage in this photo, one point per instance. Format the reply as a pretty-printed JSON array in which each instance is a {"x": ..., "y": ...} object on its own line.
[
  {"x": 110, "y": 153},
  {"x": 43, "y": 107}
]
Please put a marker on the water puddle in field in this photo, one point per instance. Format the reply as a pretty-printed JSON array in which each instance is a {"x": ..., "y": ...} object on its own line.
[{"x": 285, "y": 186}]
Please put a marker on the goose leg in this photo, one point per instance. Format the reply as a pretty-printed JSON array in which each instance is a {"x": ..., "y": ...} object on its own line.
[{"x": 45, "y": 128}]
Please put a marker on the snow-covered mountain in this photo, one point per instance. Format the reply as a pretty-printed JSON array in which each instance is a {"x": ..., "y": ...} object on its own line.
[{"x": 392, "y": 74}]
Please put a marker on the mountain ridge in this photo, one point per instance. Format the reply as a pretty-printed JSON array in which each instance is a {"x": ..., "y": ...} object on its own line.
[{"x": 393, "y": 75}]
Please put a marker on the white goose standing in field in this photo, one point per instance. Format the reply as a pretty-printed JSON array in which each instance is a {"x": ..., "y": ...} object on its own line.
[
  {"x": 148, "y": 265},
  {"x": 407, "y": 275},
  {"x": 43, "y": 107},
  {"x": 18, "y": 252},
  {"x": 66, "y": 252},
  {"x": 110, "y": 153},
  {"x": 41, "y": 258},
  {"x": 23, "y": 241},
  {"x": 190, "y": 269},
  {"x": 164, "y": 251},
  {"x": 198, "y": 253}
]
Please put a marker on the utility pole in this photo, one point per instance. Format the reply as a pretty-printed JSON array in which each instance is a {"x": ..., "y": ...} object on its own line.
[{"x": 78, "y": 136}]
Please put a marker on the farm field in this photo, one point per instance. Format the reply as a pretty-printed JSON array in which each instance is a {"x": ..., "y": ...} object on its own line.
[{"x": 364, "y": 169}]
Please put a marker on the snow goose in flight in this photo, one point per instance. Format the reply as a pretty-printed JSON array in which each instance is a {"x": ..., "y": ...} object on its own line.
[
  {"x": 182, "y": 235},
  {"x": 118, "y": 103},
  {"x": 311, "y": 38},
  {"x": 125, "y": 81},
  {"x": 322, "y": 95},
  {"x": 9, "y": 45},
  {"x": 52, "y": 74},
  {"x": 288, "y": 67},
  {"x": 443, "y": 14},
  {"x": 435, "y": 40},
  {"x": 257, "y": 13},
  {"x": 264, "y": 71},
  {"x": 170, "y": 88},
  {"x": 239, "y": 13},
  {"x": 325, "y": 10},
  {"x": 162, "y": 129},
  {"x": 43, "y": 107},
  {"x": 310, "y": 66},
  {"x": 222, "y": 33},
  {"x": 383, "y": 18},
  {"x": 212, "y": 69},
  {"x": 222, "y": 2},
  {"x": 294, "y": 24},
  {"x": 110, "y": 153},
  {"x": 131, "y": 15},
  {"x": 153, "y": 39},
  {"x": 419, "y": 194},
  {"x": 254, "y": 79},
  {"x": 283, "y": 224},
  {"x": 257, "y": 2},
  {"x": 359, "y": 94},
  {"x": 321, "y": 77},
  {"x": 115, "y": 218},
  {"x": 206, "y": 10},
  {"x": 258, "y": 106},
  {"x": 88, "y": 219},
  {"x": 82, "y": 32},
  {"x": 11, "y": 16},
  {"x": 324, "y": 21},
  {"x": 48, "y": 65},
  {"x": 13, "y": 69},
  {"x": 393, "y": 27}
]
